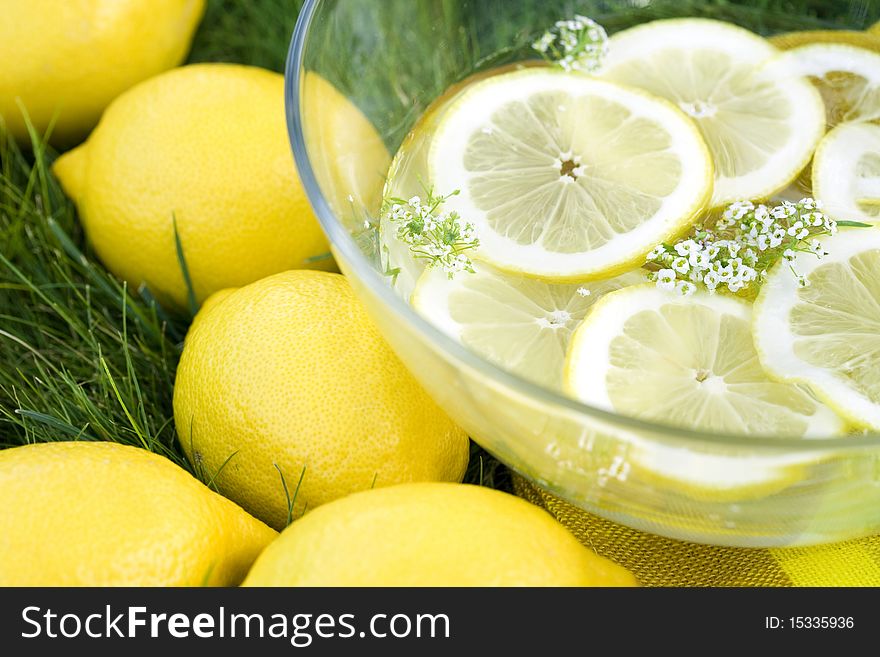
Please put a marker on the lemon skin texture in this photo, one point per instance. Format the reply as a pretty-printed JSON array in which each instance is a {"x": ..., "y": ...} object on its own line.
[
  {"x": 289, "y": 378},
  {"x": 105, "y": 514},
  {"x": 204, "y": 146},
  {"x": 431, "y": 534},
  {"x": 64, "y": 62}
]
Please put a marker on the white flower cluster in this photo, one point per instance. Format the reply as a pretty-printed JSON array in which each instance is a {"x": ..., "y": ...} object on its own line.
[
  {"x": 579, "y": 44},
  {"x": 441, "y": 238},
  {"x": 742, "y": 246}
]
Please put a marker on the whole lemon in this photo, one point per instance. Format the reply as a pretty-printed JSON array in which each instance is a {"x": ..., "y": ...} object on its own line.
[
  {"x": 349, "y": 159},
  {"x": 70, "y": 59},
  {"x": 289, "y": 378},
  {"x": 204, "y": 146},
  {"x": 104, "y": 514},
  {"x": 431, "y": 534}
]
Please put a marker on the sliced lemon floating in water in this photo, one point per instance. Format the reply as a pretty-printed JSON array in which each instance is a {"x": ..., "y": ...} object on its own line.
[
  {"x": 518, "y": 323},
  {"x": 791, "y": 40},
  {"x": 566, "y": 177},
  {"x": 827, "y": 335},
  {"x": 848, "y": 78},
  {"x": 685, "y": 361},
  {"x": 762, "y": 129},
  {"x": 846, "y": 173}
]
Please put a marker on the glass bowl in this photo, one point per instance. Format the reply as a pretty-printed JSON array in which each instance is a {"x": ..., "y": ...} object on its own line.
[{"x": 391, "y": 59}]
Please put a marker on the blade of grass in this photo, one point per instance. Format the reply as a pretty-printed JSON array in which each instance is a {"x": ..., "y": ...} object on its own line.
[
  {"x": 290, "y": 500},
  {"x": 184, "y": 270}
]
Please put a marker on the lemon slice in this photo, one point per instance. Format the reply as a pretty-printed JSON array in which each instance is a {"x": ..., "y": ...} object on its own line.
[
  {"x": 566, "y": 177},
  {"x": 791, "y": 40},
  {"x": 846, "y": 172},
  {"x": 847, "y": 77},
  {"x": 762, "y": 129},
  {"x": 827, "y": 335},
  {"x": 687, "y": 361},
  {"x": 518, "y": 323}
]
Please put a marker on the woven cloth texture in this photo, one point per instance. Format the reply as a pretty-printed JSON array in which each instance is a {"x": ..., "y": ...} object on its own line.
[{"x": 659, "y": 561}]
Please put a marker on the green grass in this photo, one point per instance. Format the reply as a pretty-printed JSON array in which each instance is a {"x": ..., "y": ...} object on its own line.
[
  {"x": 84, "y": 357},
  {"x": 81, "y": 356},
  {"x": 254, "y": 32}
]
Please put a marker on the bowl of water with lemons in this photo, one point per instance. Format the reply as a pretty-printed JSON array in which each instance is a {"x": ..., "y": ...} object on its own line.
[{"x": 632, "y": 247}]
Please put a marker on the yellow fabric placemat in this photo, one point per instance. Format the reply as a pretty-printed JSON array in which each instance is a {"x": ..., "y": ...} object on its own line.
[{"x": 659, "y": 561}]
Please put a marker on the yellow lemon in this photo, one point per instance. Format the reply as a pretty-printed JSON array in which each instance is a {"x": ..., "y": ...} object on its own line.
[
  {"x": 70, "y": 59},
  {"x": 205, "y": 146},
  {"x": 350, "y": 159},
  {"x": 431, "y": 534},
  {"x": 289, "y": 378},
  {"x": 104, "y": 514}
]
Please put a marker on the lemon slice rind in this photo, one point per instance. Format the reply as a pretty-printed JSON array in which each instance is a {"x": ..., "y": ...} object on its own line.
[
  {"x": 819, "y": 60},
  {"x": 636, "y": 53},
  {"x": 791, "y": 40},
  {"x": 836, "y": 179}
]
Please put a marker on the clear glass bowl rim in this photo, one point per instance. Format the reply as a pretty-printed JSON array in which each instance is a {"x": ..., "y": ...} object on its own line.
[{"x": 341, "y": 240}]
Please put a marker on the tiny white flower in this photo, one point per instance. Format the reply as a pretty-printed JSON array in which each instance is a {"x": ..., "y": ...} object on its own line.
[
  {"x": 817, "y": 248},
  {"x": 543, "y": 44},
  {"x": 666, "y": 279},
  {"x": 700, "y": 260},
  {"x": 681, "y": 265},
  {"x": 780, "y": 212},
  {"x": 725, "y": 273},
  {"x": 710, "y": 280},
  {"x": 576, "y": 44},
  {"x": 657, "y": 252},
  {"x": 687, "y": 247}
]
